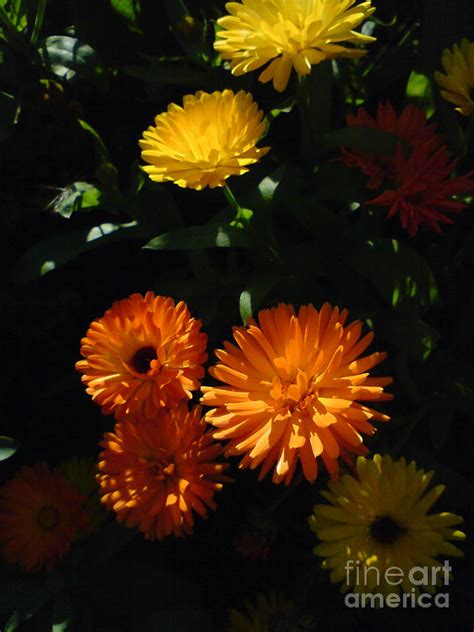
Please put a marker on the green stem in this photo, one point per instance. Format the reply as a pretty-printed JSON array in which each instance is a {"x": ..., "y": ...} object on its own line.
[
  {"x": 11, "y": 34},
  {"x": 39, "y": 19},
  {"x": 240, "y": 216},
  {"x": 231, "y": 198}
]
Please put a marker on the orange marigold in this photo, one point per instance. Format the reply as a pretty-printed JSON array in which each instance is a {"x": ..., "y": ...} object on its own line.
[
  {"x": 153, "y": 474},
  {"x": 143, "y": 354},
  {"x": 291, "y": 392},
  {"x": 40, "y": 515}
]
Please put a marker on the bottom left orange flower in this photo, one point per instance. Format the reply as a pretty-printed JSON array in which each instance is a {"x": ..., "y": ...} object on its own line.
[{"x": 41, "y": 514}]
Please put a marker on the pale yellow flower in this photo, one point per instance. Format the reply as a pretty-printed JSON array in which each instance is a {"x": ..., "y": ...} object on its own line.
[
  {"x": 378, "y": 520},
  {"x": 457, "y": 85},
  {"x": 204, "y": 142},
  {"x": 289, "y": 34}
]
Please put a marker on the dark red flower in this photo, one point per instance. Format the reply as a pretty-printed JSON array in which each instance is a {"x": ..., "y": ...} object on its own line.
[
  {"x": 410, "y": 127},
  {"x": 423, "y": 188},
  {"x": 418, "y": 182}
]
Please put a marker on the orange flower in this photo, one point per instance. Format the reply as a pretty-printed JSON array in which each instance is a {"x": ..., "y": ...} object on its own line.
[
  {"x": 153, "y": 474},
  {"x": 40, "y": 515},
  {"x": 145, "y": 353},
  {"x": 291, "y": 391},
  {"x": 410, "y": 127}
]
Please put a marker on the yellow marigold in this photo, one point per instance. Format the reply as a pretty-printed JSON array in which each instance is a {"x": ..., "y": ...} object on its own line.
[
  {"x": 212, "y": 137},
  {"x": 289, "y": 34},
  {"x": 457, "y": 85},
  {"x": 377, "y": 520},
  {"x": 143, "y": 354},
  {"x": 291, "y": 391},
  {"x": 40, "y": 516},
  {"x": 268, "y": 614},
  {"x": 155, "y": 473}
]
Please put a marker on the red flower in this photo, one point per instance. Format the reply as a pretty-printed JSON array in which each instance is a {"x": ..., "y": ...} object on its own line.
[
  {"x": 410, "y": 127},
  {"x": 424, "y": 188},
  {"x": 418, "y": 183}
]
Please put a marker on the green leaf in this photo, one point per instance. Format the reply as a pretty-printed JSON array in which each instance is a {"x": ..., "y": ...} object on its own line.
[
  {"x": 67, "y": 57},
  {"x": 128, "y": 9},
  {"x": 78, "y": 196},
  {"x": 56, "y": 251},
  {"x": 245, "y": 306},
  {"x": 252, "y": 297},
  {"x": 420, "y": 91},
  {"x": 8, "y": 447},
  {"x": 366, "y": 139},
  {"x": 200, "y": 237},
  {"x": 268, "y": 186},
  {"x": 17, "y": 11}
]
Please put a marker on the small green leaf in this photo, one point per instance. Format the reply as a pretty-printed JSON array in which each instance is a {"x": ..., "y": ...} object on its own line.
[
  {"x": 420, "y": 91},
  {"x": 67, "y": 57},
  {"x": 8, "y": 447},
  {"x": 270, "y": 184},
  {"x": 128, "y": 9},
  {"x": 245, "y": 306},
  {"x": 200, "y": 237}
]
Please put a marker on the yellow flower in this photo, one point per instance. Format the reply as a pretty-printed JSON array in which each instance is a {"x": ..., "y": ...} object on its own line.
[
  {"x": 457, "y": 85},
  {"x": 378, "y": 521},
  {"x": 289, "y": 34},
  {"x": 204, "y": 142}
]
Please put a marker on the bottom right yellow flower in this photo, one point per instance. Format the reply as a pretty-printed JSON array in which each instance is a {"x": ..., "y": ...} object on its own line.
[{"x": 376, "y": 534}]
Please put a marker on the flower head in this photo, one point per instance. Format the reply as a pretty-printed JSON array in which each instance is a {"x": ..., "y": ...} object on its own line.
[
  {"x": 422, "y": 189},
  {"x": 418, "y": 181},
  {"x": 40, "y": 515},
  {"x": 410, "y": 127},
  {"x": 204, "y": 142},
  {"x": 143, "y": 354},
  {"x": 379, "y": 519},
  {"x": 154, "y": 474},
  {"x": 457, "y": 85},
  {"x": 291, "y": 391},
  {"x": 289, "y": 34},
  {"x": 267, "y": 614}
]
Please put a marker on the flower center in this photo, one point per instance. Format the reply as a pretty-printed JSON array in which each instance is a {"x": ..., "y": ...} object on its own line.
[
  {"x": 48, "y": 518},
  {"x": 142, "y": 359},
  {"x": 160, "y": 467},
  {"x": 385, "y": 530}
]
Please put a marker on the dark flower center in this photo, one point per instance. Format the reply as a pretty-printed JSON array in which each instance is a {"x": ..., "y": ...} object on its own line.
[
  {"x": 48, "y": 518},
  {"x": 142, "y": 359},
  {"x": 385, "y": 530}
]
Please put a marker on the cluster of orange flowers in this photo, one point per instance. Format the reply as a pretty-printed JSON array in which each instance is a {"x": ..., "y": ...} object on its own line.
[{"x": 291, "y": 392}]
